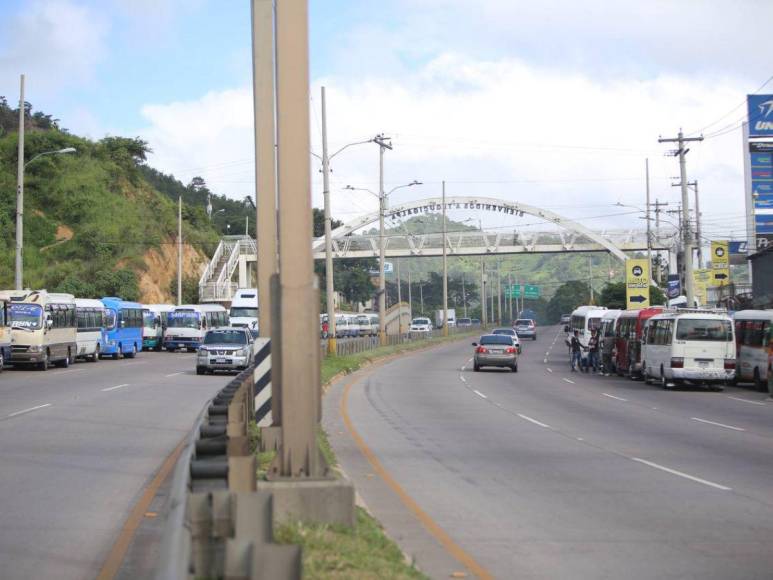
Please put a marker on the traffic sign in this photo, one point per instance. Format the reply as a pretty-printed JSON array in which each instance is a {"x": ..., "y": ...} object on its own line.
[
  {"x": 637, "y": 283},
  {"x": 531, "y": 292},
  {"x": 720, "y": 263},
  {"x": 702, "y": 280},
  {"x": 513, "y": 291}
]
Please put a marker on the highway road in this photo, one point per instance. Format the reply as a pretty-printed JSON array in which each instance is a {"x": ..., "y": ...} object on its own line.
[
  {"x": 79, "y": 446},
  {"x": 546, "y": 473}
]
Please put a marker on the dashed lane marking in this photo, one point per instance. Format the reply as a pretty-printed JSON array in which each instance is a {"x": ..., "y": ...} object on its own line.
[
  {"x": 173, "y": 374},
  {"x": 682, "y": 474},
  {"x": 24, "y": 411},
  {"x": 550, "y": 370},
  {"x": 115, "y": 387},
  {"x": 481, "y": 395},
  {"x": 747, "y": 401},
  {"x": 614, "y": 397},
  {"x": 570, "y": 381},
  {"x": 530, "y": 420},
  {"x": 463, "y": 379},
  {"x": 717, "y": 424}
]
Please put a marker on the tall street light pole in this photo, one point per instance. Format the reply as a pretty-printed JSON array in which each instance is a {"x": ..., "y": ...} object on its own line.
[{"x": 445, "y": 267}]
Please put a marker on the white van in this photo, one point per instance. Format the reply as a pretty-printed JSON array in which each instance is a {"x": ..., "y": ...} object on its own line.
[
  {"x": 43, "y": 328},
  {"x": 585, "y": 319},
  {"x": 694, "y": 346},
  {"x": 244, "y": 309},
  {"x": 90, "y": 315},
  {"x": 187, "y": 324},
  {"x": 5, "y": 334},
  {"x": 751, "y": 331},
  {"x": 365, "y": 325},
  {"x": 154, "y": 325}
]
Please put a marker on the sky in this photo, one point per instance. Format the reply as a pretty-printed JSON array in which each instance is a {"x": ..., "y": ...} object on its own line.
[{"x": 554, "y": 103}]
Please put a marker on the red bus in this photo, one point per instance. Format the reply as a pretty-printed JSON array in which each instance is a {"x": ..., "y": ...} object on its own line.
[{"x": 630, "y": 326}]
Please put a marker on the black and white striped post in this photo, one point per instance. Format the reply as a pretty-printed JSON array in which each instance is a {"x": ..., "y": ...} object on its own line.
[{"x": 262, "y": 378}]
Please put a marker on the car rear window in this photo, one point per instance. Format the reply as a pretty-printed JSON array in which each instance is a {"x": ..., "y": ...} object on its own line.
[
  {"x": 496, "y": 339},
  {"x": 507, "y": 331},
  {"x": 523, "y": 322}
]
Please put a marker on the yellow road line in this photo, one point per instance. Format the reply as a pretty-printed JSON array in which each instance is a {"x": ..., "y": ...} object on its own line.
[
  {"x": 429, "y": 524},
  {"x": 118, "y": 551}
]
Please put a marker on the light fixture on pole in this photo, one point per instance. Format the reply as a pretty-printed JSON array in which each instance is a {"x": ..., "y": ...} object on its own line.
[{"x": 382, "y": 250}]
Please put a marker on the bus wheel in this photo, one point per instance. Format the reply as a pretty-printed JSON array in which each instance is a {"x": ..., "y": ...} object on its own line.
[
  {"x": 133, "y": 353},
  {"x": 43, "y": 365},
  {"x": 66, "y": 362},
  {"x": 95, "y": 356},
  {"x": 663, "y": 381},
  {"x": 117, "y": 353},
  {"x": 647, "y": 377}
]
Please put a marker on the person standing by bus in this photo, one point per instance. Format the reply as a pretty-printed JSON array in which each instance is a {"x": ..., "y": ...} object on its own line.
[
  {"x": 593, "y": 351},
  {"x": 576, "y": 349}
]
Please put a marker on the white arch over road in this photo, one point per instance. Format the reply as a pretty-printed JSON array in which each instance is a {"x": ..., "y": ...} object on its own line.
[{"x": 435, "y": 204}]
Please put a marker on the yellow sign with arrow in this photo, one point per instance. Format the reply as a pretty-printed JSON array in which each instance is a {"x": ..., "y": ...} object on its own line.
[
  {"x": 720, "y": 263},
  {"x": 637, "y": 283}
]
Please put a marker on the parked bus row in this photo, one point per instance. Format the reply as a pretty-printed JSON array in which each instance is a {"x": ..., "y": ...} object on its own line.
[
  {"x": 41, "y": 329},
  {"x": 676, "y": 346},
  {"x": 350, "y": 325}
]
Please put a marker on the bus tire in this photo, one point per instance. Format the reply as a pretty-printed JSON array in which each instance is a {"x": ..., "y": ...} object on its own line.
[
  {"x": 117, "y": 354},
  {"x": 133, "y": 353},
  {"x": 95, "y": 356},
  {"x": 66, "y": 361},
  {"x": 200, "y": 370},
  {"x": 43, "y": 365},
  {"x": 647, "y": 377}
]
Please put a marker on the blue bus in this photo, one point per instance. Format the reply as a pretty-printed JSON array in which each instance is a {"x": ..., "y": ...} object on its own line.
[{"x": 123, "y": 326}]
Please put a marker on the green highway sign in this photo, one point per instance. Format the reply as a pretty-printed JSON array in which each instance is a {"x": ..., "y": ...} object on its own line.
[
  {"x": 513, "y": 291},
  {"x": 531, "y": 292}
]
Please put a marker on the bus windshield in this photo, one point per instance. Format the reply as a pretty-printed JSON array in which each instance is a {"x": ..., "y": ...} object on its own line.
[
  {"x": 707, "y": 330},
  {"x": 244, "y": 312},
  {"x": 594, "y": 323},
  {"x": 109, "y": 319},
  {"x": 28, "y": 316},
  {"x": 148, "y": 318},
  {"x": 183, "y": 320}
]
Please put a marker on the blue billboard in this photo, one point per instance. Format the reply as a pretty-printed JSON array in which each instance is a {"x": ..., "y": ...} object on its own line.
[
  {"x": 763, "y": 224},
  {"x": 760, "y": 109}
]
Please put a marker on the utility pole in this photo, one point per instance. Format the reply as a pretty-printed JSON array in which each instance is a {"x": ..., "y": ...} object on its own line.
[
  {"x": 20, "y": 194},
  {"x": 464, "y": 297},
  {"x": 499, "y": 294},
  {"x": 410, "y": 295},
  {"x": 445, "y": 267},
  {"x": 179, "y": 249},
  {"x": 657, "y": 210},
  {"x": 647, "y": 217},
  {"x": 510, "y": 295},
  {"x": 421, "y": 296},
  {"x": 399, "y": 299},
  {"x": 681, "y": 152},
  {"x": 483, "y": 292},
  {"x": 329, "y": 291},
  {"x": 699, "y": 243},
  {"x": 264, "y": 99},
  {"x": 382, "y": 145},
  {"x": 590, "y": 278}
]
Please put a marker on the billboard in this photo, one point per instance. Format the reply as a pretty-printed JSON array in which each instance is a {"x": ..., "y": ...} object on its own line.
[
  {"x": 758, "y": 171},
  {"x": 760, "y": 108},
  {"x": 637, "y": 283},
  {"x": 720, "y": 263}
]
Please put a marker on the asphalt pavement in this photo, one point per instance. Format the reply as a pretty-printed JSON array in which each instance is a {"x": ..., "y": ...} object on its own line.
[
  {"x": 547, "y": 473},
  {"x": 79, "y": 446}
]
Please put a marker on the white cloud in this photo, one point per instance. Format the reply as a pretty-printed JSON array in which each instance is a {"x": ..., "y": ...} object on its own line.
[
  {"x": 501, "y": 128},
  {"x": 56, "y": 43}
]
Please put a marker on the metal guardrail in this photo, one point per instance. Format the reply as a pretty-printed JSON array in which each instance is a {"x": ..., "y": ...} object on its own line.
[{"x": 217, "y": 525}]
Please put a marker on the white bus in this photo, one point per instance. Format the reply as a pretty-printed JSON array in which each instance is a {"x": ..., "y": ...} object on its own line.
[
  {"x": 187, "y": 324},
  {"x": 43, "y": 328},
  {"x": 585, "y": 319},
  {"x": 751, "y": 328},
  {"x": 5, "y": 334},
  {"x": 154, "y": 324},
  {"x": 244, "y": 309},
  {"x": 693, "y": 346},
  {"x": 90, "y": 335}
]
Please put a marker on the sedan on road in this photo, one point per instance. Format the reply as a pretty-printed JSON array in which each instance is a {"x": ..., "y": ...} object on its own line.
[
  {"x": 495, "y": 350},
  {"x": 512, "y": 334},
  {"x": 225, "y": 349},
  {"x": 526, "y": 328}
]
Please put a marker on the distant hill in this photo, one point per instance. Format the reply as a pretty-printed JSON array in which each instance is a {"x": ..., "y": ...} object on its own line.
[{"x": 96, "y": 222}]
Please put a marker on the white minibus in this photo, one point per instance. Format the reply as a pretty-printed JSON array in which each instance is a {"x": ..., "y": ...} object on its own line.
[
  {"x": 365, "y": 325},
  {"x": 43, "y": 328},
  {"x": 187, "y": 325},
  {"x": 585, "y": 319},
  {"x": 244, "y": 309},
  {"x": 154, "y": 324},
  {"x": 90, "y": 315},
  {"x": 751, "y": 328},
  {"x": 694, "y": 346}
]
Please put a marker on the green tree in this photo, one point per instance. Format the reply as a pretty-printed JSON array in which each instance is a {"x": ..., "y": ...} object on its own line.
[
  {"x": 190, "y": 287},
  {"x": 568, "y": 296},
  {"x": 613, "y": 296}
]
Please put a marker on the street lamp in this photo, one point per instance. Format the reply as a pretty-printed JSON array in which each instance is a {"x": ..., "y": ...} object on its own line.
[
  {"x": 382, "y": 251},
  {"x": 20, "y": 203}
]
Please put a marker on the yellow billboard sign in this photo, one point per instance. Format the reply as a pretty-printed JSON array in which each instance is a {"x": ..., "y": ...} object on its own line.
[
  {"x": 720, "y": 263},
  {"x": 637, "y": 283},
  {"x": 702, "y": 281}
]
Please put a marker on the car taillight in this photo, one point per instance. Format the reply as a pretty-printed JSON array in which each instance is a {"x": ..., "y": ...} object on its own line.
[
  {"x": 729, "y": 364},
  {"x": 677, "y": 362},
  {"x": 510, "y": 350},
  {"x": 481, "y": 350}
]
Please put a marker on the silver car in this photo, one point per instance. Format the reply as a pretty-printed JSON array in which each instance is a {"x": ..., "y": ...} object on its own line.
[
  {"x": 225, "y": 349},
  {"x": 495, "y": 350},
  {"x": 512, "y": 334}
]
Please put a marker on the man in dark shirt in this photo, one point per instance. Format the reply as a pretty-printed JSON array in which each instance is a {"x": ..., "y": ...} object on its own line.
[
  {"x": 576, "y": 350},
  {"x": 593, "y": 351}
]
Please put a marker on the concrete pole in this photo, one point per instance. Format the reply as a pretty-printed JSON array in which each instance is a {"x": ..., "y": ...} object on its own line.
[
  {"x": 647, "y": 217},
  {"x": 483, "y": 292},
  {"x": 510, "y": 295},
  {"x": 499, "y": 294},
  {"x": 687, "y": 257},
  {"x": 698, "y": 239},
  {"x": 410, "y": 295},
  {"x": 421, "y": 296},
  {"x": 331, "y": 319},
  {"x": 299, "y": 303},
  {"x": 263, "y": 95},
  {"x": 382, "y": 251},
  {"x": 19, "y": 278},
  {"x": 399, "y": 299},
  {"x": 464, "y": 297},
  {"x": 590, "y": 278},
  {"x": 179, "y": 249},
  {"x": 445, "y": 267},
  {"x": 751, "y": 226}
]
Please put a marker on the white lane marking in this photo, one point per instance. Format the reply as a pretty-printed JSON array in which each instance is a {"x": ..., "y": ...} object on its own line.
[
  {"x": 115, "y": 387},
  {"x": 746, "y": 401},
  {"x": 682, "y": 474},
  {"x": 717, "y": 424},
  {"x": 550, "y": 370},
  {"x": 571, "y": 382},
  {"x": 173, "y": 374},
  {"x": 580, "y": 439},
  {"x": 530, "y": 420},
  {"x": 545, "y": 361},
  {"x": 17, "y": 413},
  {"x": 613, "y": 397},
  {"x": 480, "y": 394},
  {"x": 463, "y": 379}
]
